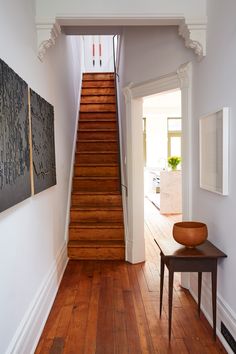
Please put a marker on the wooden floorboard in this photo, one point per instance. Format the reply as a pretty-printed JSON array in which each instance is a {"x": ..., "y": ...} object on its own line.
[{"x": 112, "y": 307}]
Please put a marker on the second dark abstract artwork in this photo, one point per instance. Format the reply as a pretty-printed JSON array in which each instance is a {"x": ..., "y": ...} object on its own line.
[
  {"x": 14, "y": 139},
  {"x": 43, "y": 147}
]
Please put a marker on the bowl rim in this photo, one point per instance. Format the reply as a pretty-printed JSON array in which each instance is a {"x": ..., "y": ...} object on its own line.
[{"x": 190, "y": 224}]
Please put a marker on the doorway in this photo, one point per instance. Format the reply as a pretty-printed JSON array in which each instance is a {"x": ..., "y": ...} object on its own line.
[
  {"x": 162, "y": 135},
  {"x": 181, "y": 79}
]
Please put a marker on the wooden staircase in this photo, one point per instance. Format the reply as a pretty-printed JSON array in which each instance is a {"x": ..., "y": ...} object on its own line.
[{"x": 96, "y": 228}]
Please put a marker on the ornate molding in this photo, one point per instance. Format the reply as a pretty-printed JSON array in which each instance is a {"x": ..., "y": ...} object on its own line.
[
  {"x": 194, "y": 34},
  {"x": 128, "y": 93},
  {"x": 47, "y": 34},
  {"x": 193, "y": 31},
  {"x": 183, "y": 74}
]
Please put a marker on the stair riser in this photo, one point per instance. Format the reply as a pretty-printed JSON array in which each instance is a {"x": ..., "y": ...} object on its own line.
[
  {"x": 96, "y": 185},
  {"x": 102, "y": 171},
  {"x": 97, "y": 125},
  {"x": 106, "y": 107},
  {"x": 94, "y": 216},
  {"x": 95, "y": 234},
  {"x": 97, "y": 135},
  {"x": 100, "y": 253},
  {"x": 96, "y": 200},
  {"x": 98, "y": 99},
  {"x": 97, "y": 115},
  {"x": 98, "y": 91},
  {"x": 97, "y": 146},
  {"x": 98, "y": 76},
  {"x": 96, "y": 158}
]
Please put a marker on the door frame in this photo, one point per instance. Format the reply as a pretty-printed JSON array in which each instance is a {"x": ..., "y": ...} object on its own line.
[{"x": 134, "y": 93}]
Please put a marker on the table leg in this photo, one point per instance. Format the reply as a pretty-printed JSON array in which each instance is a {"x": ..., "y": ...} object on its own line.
[
  {"x": 214, "y": 286},
  {"x": 199, "y": 292},
  {"x": 161, "y": 283},
  {"x": 171, "y": 280}
]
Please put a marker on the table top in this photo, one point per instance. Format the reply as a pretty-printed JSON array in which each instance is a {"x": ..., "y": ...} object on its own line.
[{"x": 171, "y": 249}]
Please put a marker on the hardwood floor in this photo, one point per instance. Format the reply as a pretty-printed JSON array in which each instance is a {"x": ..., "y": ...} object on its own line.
[{"x": 107, "y": 307}]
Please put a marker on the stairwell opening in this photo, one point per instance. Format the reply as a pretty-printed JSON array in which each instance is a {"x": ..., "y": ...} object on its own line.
[{"x": 96, "y": 227}]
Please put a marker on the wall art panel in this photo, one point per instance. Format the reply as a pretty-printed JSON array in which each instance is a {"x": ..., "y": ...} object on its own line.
[
  {"x": 43, "y": 146},
  {"x": 14, "y": 139}
]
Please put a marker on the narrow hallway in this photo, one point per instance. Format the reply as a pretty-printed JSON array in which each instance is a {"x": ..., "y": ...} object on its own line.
[{"x": 107, "y": 307}]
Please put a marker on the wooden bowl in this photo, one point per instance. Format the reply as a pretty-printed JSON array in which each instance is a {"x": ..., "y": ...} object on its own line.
[{"x": 190, "y": 233}]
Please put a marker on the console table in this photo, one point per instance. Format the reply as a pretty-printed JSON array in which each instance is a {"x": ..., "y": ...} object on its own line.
[{"x": 178, "y": 258}]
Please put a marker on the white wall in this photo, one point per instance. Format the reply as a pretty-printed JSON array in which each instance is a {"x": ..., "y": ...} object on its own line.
[
  {"x": 146, "y": 54},
  {"x": 151, "y": 52},
  {"x": 214, "y": 87},
  {"x": 33, "y": 232}
]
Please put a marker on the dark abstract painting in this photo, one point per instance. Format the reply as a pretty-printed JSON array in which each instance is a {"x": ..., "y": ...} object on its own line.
[
  {"x": 42, "y": 120},
  {"x": 14, "y": 139}
]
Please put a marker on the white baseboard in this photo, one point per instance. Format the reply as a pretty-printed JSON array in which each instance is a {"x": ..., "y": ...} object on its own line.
[
  {"x": 224, "y": 312},
  {"x": 29, "y": 331}
]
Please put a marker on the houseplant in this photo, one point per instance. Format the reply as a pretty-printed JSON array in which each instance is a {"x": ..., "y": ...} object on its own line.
[{"x": 173, "y": 162}]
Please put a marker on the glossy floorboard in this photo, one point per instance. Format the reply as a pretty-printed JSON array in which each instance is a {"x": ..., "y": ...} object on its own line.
[{"x": 107, "y": 307}]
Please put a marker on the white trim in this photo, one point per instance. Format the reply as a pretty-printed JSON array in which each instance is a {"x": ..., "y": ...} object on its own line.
[
  {"x": 224, "y": 312},
  {"x": 194, "y": 34},
  {"x": 182, "y": 79},
  {"x": 193, "y": 30},
  {"x": 73, "y": 160},
  {"x": 29, "y": 331}
]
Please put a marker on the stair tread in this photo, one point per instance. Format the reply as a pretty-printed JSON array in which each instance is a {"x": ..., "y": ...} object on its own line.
[
  {"x": 97, "y": 141},
  {"x": 90, "y": 84},
  {"x": 100, "y": 120},
  {"x": 96, "y": 243},
  {"x": 97, "y": 152},
  {"x": 97, "y": 129},
  {"x": 92, "y": 111},
  {"x": 95, "y": 94},
  {"x": 98, "y": 207},
  {"x": 94, "y": 193},
  {"x": 96, "y": 225},
  {"x": 97, "y": 103},
  {"x": 96, "y": 177},
  {"x": 96, "y": 165}
]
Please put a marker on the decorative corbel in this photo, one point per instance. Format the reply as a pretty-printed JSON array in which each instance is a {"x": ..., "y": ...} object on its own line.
[
  {"x": 194, "y": 33},
  {"x": 47, "y": 34}
]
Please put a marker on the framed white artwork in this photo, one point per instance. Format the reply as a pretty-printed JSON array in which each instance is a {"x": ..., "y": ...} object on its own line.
[{"x": 214, "y": 151}]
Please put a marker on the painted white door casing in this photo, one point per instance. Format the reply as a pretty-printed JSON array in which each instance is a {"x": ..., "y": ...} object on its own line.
[{"x": 181, "y": 79}]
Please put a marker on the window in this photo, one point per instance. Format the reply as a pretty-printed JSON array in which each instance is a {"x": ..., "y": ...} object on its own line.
[{"x": 174, "y": 136}]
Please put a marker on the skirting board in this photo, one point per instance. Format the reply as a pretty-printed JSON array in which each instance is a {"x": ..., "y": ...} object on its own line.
[
  {"x": 224, "y": 312},
  {"x": 29, "y": 331}
]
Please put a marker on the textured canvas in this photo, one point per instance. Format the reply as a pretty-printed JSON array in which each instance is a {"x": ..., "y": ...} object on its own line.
[
  {"x": 42, "y": 120},
  {"x": 14, "y": 139}
]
